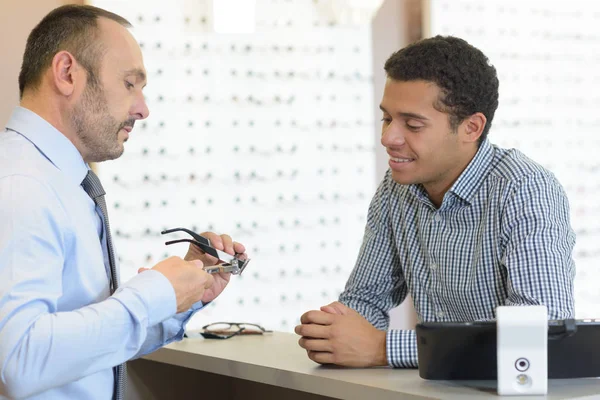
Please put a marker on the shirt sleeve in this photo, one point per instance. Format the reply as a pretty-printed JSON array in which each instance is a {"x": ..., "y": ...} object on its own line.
[
  {"x": 40, "y": 347},
  {"x": 401, "y": 348},
  {"x": 168, "y": 331},
  {"x": 377, "y": 284},
  {"x": 539, "y": 244}
]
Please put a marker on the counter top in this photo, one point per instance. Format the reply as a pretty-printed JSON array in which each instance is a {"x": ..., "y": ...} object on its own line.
[{"x": 276, "y": 359}]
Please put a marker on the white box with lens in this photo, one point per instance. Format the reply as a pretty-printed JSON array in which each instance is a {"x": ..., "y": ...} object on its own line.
[{"x": 522, "y": 340}]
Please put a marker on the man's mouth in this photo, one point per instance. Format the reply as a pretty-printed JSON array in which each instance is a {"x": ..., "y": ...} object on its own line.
[
  {"x": 128, "y": 125},
  {"x": 401, "y": 160}
]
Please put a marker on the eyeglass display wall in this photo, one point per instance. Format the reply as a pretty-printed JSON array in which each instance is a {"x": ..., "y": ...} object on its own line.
[
  {"x": 267, "y": 136},
  {"x": 547, "y": 54}
]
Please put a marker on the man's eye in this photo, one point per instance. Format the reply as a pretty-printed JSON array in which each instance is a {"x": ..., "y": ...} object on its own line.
[
  {"x": 414, "y": 127},
  {"x": 128, "y": 85},
  {"x": 386, "y": 120}
]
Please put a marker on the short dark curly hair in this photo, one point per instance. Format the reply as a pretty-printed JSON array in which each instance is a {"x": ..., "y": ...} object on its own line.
[
  {"x": 467, "y": 80},
  {"x": 70, "y": 27}
]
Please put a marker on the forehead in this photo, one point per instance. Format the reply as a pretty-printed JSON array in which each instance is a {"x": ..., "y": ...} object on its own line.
[
  {"x": 122, "y": 52},
  {"x": 409, "y": 96}
]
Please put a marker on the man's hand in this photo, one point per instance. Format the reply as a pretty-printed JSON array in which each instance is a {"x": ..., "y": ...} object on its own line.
[
  {"x": 339, "y": 335},
  {"x": 188, "y": 279},
  {"x": 224, "y": 243}
]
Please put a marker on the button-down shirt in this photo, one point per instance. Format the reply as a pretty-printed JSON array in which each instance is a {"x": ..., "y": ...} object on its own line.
[
  {"x": 502, "y": 236},
  {"x": 61, "y": 332}
]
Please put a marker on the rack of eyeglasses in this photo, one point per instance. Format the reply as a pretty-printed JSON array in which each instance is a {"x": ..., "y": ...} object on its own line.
[
  {"x": 547, "y": 56},
  {"x": 267, "y": 137}
]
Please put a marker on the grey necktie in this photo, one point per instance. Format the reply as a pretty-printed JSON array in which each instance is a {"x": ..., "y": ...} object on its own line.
[{"x": 92, "y": 186}]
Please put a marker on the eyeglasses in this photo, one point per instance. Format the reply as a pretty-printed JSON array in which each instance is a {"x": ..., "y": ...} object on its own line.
[
  {"x": 231, "y": 264},
  {"x": 226, "y": 330}
]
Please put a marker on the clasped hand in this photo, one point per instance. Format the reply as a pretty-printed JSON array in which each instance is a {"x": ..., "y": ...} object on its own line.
[{"x": 336, "y": 334}]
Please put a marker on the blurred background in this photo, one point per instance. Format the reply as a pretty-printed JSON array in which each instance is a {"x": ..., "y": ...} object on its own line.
[{"x": 265, "y": 125}]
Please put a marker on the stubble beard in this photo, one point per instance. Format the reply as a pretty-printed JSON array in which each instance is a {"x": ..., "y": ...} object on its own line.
[{"x": 96, "y": 129}]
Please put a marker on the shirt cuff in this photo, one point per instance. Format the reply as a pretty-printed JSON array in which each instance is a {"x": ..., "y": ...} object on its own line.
[
  {"x": 401, "y": 348},
  {"x": 148, "y": 293}
]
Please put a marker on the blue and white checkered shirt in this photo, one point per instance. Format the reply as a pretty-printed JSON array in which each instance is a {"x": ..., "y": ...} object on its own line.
[{"x": 502, "y": 236}]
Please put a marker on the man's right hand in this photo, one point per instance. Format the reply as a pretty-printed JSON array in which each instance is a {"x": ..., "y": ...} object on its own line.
[
  {"x": 337, "y": 334},
  {"x": 188, "y": 279}
]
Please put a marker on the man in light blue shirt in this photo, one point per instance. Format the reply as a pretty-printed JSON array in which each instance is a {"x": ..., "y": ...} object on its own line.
[{"x": 61, "y": 330}]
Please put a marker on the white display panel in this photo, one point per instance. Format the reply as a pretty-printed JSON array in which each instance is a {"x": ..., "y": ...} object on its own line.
[
  {"x": 267, "y": 136},
  {"x": 547, "y": 54}
]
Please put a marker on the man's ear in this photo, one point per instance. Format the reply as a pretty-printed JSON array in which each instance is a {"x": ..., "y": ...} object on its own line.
[
  {"x": 473, "y": 126},
  {"x": 65, "y": 72}
]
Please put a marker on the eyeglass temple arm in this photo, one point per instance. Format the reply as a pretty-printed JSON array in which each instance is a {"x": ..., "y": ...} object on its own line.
[
  {"x": 193, "y": 234},
  {"x": 205, "y": 248}
]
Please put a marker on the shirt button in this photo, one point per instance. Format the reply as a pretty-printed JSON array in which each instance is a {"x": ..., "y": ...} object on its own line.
[
  {"x": 437, "y": 218},
  {"x": 441, "y": 314},
  {"x": 433, "y": 266}
]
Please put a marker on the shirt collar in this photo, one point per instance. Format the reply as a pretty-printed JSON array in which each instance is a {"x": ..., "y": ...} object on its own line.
[
  {"x": 469, "y": 182},
  {"x": 50, "y": 142}
]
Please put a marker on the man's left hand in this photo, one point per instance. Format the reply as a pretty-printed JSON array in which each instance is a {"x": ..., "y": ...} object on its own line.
[
  {"x": 337, "y": 334},
  {"x": 224, "y": 243}
]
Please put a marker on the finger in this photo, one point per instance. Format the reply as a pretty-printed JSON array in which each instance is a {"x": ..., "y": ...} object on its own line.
[
  {"x": 142, "y": 270},
  {"x": 239, "y": 248},
  {"x": 313, "y": 331},
  {"x": 336, "y": 308},
  {"x": 197, "y": 263},
  {"x": 227, "y": 244},
  {"x": 315, "y": 344},
  {"x": 330, "y": 310},
  {"x": 321, "y": 357},
  {"x": 215, "y": 240},
  {"x": 317, "y": 317}
]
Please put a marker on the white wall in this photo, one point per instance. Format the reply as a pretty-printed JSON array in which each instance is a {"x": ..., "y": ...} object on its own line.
[{"x": 17, "y": 19}]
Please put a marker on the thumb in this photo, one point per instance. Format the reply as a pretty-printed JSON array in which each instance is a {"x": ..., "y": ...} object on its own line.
[
  {"x": 198, "y": 263},
  {"x": 142, "y": 270}
]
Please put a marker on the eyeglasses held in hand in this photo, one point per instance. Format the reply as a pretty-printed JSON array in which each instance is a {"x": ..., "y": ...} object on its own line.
[
  {"x": 226, "y": 330},
  {"x": 234, "y": 264}
]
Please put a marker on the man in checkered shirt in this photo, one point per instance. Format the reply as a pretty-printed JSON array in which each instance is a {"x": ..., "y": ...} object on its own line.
[{"x": 462, "y": 225}]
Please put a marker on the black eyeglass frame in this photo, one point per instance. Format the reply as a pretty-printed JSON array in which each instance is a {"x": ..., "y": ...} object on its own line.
[
  {"x": 214, "y": 335},
  {"x": 232, "y": 264}
]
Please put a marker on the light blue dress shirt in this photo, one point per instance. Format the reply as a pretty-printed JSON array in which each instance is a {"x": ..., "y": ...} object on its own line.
[{"x": 61, "y": 332}]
